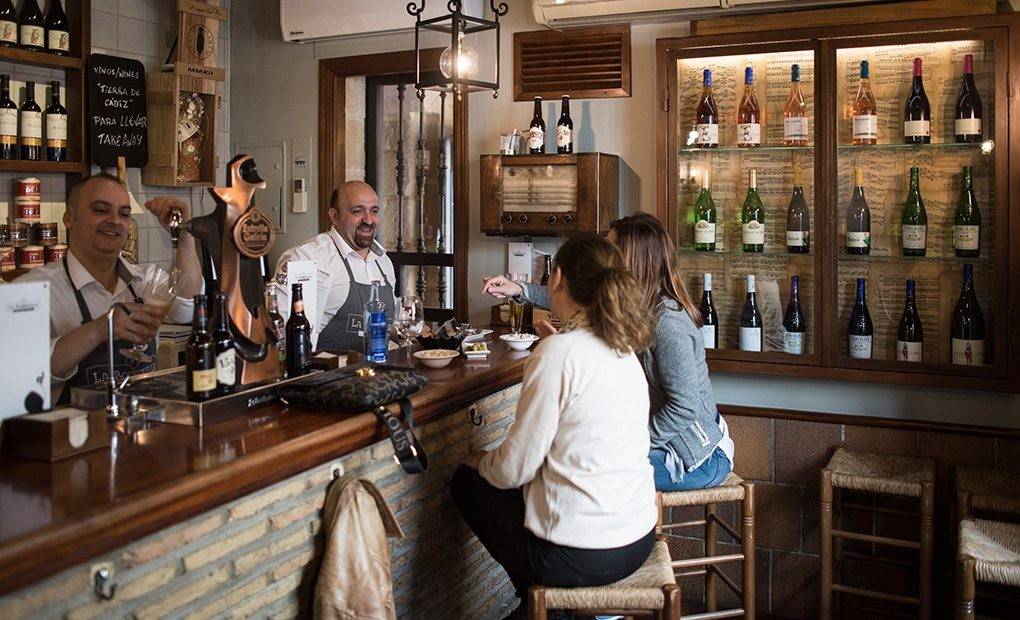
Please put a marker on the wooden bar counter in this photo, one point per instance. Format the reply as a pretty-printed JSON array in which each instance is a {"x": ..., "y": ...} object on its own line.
[{"x": 195, "y": 521}]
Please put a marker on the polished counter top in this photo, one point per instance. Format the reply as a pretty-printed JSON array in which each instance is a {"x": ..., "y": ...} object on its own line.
[{"x": 56, "y": 515}]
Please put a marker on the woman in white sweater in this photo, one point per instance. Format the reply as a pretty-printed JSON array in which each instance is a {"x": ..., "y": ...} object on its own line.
[{"x": 568, "y": 498}]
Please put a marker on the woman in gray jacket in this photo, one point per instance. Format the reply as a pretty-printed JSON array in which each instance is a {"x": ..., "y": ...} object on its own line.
[{"x": 691, "y": 447}]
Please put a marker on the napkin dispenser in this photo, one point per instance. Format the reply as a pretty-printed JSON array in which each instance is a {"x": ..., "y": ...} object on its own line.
[{"x": 56, "y": 434}]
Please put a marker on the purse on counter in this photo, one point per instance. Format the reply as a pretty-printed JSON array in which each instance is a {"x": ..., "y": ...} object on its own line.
[{"x": 364, "y": 387}]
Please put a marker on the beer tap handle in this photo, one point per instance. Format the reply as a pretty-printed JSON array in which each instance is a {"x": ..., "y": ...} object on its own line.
[
  {"x": 176, "y": 219},
  {"x": 112, "y": 407}
]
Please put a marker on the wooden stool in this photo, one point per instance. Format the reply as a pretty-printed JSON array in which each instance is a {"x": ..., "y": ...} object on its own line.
[
  {"x": 650, "y": 588},
  {"x": 733, "y": 489},
  {"x": 987, "y": 490},
  {"x": 989, "y": 553},
  {"x": 881, "y": 474}
]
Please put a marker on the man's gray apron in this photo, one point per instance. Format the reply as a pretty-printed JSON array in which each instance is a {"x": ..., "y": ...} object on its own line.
[{"x": 346, "y": 330}]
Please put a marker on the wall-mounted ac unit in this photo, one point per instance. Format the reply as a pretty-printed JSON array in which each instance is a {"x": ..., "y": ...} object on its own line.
[
  {"x": 302, "y": 21},
  {"x": 565, "y": 13}
]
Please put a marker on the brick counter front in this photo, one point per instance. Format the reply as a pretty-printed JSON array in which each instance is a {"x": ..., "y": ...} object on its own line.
[{"x": 258, "y": 555}]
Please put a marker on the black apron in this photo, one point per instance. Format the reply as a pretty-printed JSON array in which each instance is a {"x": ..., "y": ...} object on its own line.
[
  {"x": 95, "y": 368},
  {"x": 346, "y": 330}
]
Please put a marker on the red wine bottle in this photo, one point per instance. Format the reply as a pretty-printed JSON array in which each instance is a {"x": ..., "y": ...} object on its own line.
[
  {"x": 751, "y": 324},
  {"x": 967, "y": 326},
  {"x": 58, "y": 32},
  {"x": 909, "y": 335},
  {"x": 8, "y": 24},
  {"x": 710, "y": 324},
  {"x": 968, "y": 106},
  {"x": 31, "y": 34},
  {"x": 794, "y": 325},
  {"x": 55, "y": 119},
  {"x": 861, "y": 330},
  {"x": 8, "y": 121},
  {"x": 917, "y": 119}
]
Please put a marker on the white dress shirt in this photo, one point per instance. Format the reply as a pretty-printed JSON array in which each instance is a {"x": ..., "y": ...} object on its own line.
[
  {"x": 65, "y": 314},
  {"x": 333, "y": 284},
  {"x": 579, "y": 445}
]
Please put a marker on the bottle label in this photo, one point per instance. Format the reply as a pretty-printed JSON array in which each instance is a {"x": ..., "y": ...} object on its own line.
[
  {"x": 56, "y": 130},
  {"x": 860, "y": 347},
  {"x": 858, "y": 239},
  {"x": 708, "y": 133},
  {"x": 378, "y": 341},
  {"x": 914, "y": 236},
  {"x": 31, "y": 128},
  {"x": 708, "y": 335},
  {"x": 916, "y": 129},
  {"x": 793, "y": 343},
  {"x": 908, "y": 351},
  {"x": 750, "y": 339},
  {"x": 536, "y": 138},
  {"x": 795, "y": 128},
  {"x": 203, "y": 380},
  {"x": 796, "y": 238},
  {"x": 749, "y": 134},
  {"x": 563, "y": 136},
  {"x": 32, "y": 36},
  {"x": 865, "y": 127},
  {"x": 968, "y": 352},
  {"x": 704, "y": 232},
  {"x": 968, "y": 126},
  {"x": 8, "y": 32},
  {"x": 753, "y": 233},
  {"x": 58, "y": 40},
  {"x": 8, "y": 126},
  {"x": 966, "y": 237},
  {"x": 226, "y": 367}
]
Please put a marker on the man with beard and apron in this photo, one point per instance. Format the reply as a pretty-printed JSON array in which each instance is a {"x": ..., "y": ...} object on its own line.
[
  {"x": 92, "y": 278},
  {"x": 348, "y": 260}
]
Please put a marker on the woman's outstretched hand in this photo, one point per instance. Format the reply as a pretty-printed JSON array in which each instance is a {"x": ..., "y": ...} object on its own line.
[{"x": 501, "y": 287}]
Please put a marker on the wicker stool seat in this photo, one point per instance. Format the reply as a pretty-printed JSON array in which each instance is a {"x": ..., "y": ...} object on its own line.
[
  {"x": 988, "y": 489},
  {"x": 651, "y": 588},
  {"x": 730, "y": 490},
  {"x": 989, "y": 553},
  {"x": 885, "y": 474}
]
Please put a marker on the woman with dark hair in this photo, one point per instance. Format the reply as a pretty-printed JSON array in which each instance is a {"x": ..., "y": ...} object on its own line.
[
  {"x": 690, "y": 443},
  {"x": 568, "y": 498}
]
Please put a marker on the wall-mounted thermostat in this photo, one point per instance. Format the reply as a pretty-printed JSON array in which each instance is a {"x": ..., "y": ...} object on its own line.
[{"x": 300, "y": 202}]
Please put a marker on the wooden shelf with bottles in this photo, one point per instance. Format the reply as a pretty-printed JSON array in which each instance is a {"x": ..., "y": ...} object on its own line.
[{"x": 828, "y": 59}]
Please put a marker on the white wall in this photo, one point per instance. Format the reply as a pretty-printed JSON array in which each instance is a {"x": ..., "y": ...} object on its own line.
[{"x": 275, "y": 97}]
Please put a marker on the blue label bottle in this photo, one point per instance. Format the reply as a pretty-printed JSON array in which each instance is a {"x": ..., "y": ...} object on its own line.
[{"x": 376, "y": 328}]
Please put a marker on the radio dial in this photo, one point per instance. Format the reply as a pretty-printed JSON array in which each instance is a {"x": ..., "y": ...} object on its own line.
[
  {"x": 552, "y": 219},
  {"x": 523, "y": 218},
  {"x": 507, "y": 218},
  {"x": 568, "y": 218}
]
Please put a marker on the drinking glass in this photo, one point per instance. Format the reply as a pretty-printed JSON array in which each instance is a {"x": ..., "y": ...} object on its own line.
[
  {"x": 158, "y": 295},
  {"x": 516, "y": 309},
  {"x": 409, "y": 322}
]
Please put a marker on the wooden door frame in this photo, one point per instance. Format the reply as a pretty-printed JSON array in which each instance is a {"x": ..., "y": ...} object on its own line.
[{"x": 332, "y": 142}]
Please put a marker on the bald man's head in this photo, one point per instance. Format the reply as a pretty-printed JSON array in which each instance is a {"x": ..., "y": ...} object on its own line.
[
  {"x": 354, "y": 211},
  {"x": 98, "y": 216}
]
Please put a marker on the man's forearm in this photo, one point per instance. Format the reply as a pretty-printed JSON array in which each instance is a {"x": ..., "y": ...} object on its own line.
[
  {"x": 187, "y": 261},
  {"x": 75, "y": 345}
]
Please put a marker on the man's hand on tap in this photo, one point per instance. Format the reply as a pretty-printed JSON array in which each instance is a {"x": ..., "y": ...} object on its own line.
[{"x": 163, "y": 206}]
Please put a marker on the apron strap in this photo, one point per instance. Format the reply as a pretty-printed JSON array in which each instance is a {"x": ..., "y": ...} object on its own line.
[{"x": 122, "y": 272}]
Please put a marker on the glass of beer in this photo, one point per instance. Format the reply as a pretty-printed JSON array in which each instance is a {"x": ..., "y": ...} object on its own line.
[
  {"x": 158, "y": 295},
  {"x": 516, "y": 308}
]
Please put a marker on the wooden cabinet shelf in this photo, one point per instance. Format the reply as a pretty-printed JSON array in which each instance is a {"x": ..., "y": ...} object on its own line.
[
  {"x": 40, "y": 59},
  {"x": 41, "y": 167}
]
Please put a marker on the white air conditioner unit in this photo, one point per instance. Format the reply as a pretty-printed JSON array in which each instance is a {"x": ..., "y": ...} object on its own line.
[
  {"x": 302, "y": 21},
  {"x": 565, "y": 13}
]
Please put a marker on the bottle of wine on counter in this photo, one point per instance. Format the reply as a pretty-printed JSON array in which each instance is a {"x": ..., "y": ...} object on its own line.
[
  {"x": 917, "y": 116},
  {"x": 752, "y": 218},
  {"x": 858, "y": 218},
  {"x": 707, "y": 116},
  {"x": 967, "y": 221},
  {"x": 8, "y": 121},
  {"x": 967, "y": 325},
  {"x": 968, "y": 106},
  {"x": 376, "y": 327},
  {"x": 56, "y": 126},
  {"x": 794, "y": 324},
  {"x": 709, "y": 318},
  {"x": 864, "y": 111},
  {"x": 914, "y": 218},
  {"x": 58, "y": 32},
  {"x": 201, "y": 355},
  {"x": 279, "y": 327},
  {"x": 31, "y": 125},
  {"x": 909, "y": 335},
  {"x": 798, "y": 223},
  {"x": 862, "y": 332},
  {"x": 565, "y": 128},
  {"x": 795, "y": 119},
  {"x": 226, "y": 356},
  {"x": 536, "y": 135},
  {"x": 704, "y": 219},
  {"x": 751, "y": 324},
  {"x": 8, "y": 24},
  {"x": 299, "y": 336},
  {"x": 748, "y": 114},
  {"x": 31, "y": 33}
]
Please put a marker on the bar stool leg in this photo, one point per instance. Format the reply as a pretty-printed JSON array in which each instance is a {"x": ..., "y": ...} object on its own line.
[
  {"x": 671, "y": 602},
  {"x": 825, "y": 545},
  {"x": 747, "y": 544},
  {"x": 658, "y": 509},
  {"x": 965, "y": 588},
  {"x": 536, "y": 603},
  {"x": 711, "y": 536},
  {"x": 837, "y": 547},
  {"x": 927, "y": 540}
]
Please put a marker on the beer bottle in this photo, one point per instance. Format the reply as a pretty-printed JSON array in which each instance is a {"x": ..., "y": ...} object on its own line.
[
  {"x": 298, "y": 336},
  {"x": 278, "y": 326},
  {"x": 226, "y": 356},
  {"x": 201, "y": 356}
]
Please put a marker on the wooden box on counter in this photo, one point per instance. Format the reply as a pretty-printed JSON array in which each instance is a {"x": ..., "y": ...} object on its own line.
[
  {"x": 55, "y": 435},
  {"x": 549, "y": 195},
  {"x": 163, "y": 99}
]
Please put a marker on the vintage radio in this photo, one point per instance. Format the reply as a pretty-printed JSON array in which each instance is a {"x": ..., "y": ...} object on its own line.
[{"x": 549, "y": 195}]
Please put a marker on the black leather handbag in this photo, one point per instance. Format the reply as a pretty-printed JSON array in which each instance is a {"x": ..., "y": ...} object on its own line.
[{"x": 368, "y": 387}]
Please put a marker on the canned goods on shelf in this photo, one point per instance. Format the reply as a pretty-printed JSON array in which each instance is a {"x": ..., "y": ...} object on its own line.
[
  {"x": 31, "y": 256},
  {"x": 5, "y": 235},
  {"x": 7, "y": 262},
  {"x": 19, "y": 234},
  {"x": 44, "y": 233},
  {"x": 55, "y": 252},
  {"x": 27, "y": 187},
  {"x": 27, "y": 211}
]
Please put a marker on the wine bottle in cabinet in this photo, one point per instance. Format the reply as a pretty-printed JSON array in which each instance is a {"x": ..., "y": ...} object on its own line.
[
  {"x": 752, "y": 217},
  {"x": 909, "y": 334},
  {"x": 748, "y": 114},
  {"x": 861, "y": 331},
  {"x": 794, "y": 325},
  {"x": 798, "y": 223},
  {"x": 751, "y": 324},
  {"x": 967, "y": 220},
  {"x": 709, "y": 317},
  {"x": 967, "y": 325},
  {"x": 914, "y": 220},
  {"x": 704, "y": 218},
  {"x": 917, "y": 116},
  {"x": 858, "y": 218},
  {"x": 968, "y": 106},
  {"x": 795, "y": 119},
  {"x": 8, "y": 24},
  {"x": 706, "y": 119},
  {"x": 31, "y": 32},
  {"x": 864, "y": 111}
]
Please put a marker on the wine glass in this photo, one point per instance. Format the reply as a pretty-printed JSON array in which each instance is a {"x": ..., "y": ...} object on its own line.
[
  {"x": 158, "y": 295},
  {"x": 409, "y": 322}
]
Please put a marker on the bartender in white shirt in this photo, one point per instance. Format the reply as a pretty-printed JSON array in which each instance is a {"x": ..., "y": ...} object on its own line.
[
  {"x": 93, "y": 277},
  {"x": 348, "y": 259}
]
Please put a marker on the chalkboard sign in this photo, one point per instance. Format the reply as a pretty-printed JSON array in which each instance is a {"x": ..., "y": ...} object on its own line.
[{"x": 116, "y": 114}]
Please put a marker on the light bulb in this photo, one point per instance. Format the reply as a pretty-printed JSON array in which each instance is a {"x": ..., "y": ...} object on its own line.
[{"x": 467, "y": 60}]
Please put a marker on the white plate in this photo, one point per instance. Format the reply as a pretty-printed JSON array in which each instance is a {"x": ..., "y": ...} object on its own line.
[{"x": 476, "y": 335}]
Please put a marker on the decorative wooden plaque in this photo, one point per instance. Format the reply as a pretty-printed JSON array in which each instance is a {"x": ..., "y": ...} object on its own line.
[{"x": 198, "y": 27}]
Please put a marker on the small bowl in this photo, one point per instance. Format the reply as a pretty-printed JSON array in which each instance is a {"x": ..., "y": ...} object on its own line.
[
  {"x": 519, "y": 342},
  {"x": 474, "y": 355},
  {"x": 435, "y": 358},
  {"x": 444, "y": 342}
]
